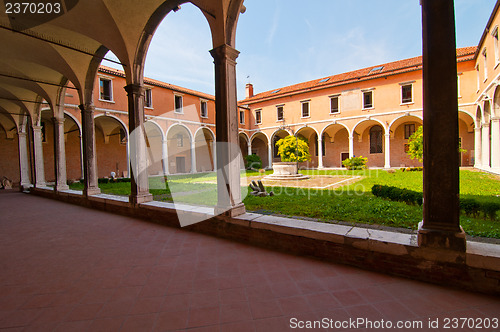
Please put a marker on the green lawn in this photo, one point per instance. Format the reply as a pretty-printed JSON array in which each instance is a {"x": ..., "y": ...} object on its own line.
[{"x": 351, "y": 203}]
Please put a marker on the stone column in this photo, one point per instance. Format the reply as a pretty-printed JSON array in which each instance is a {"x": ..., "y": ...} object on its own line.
[
  {"x": 440, "y": 228},
  {"x": 89, "y": 151},
  {"x": 193, "y": 156},
  {"x": 38, "y": 150},
  {"x": 320, "y": 152},
  {"x": 23, "y": 159},
  {"x": 249, "y": 147},
  {"x": 477, "y": 147},
  {"x": 137, "y": 145},
  {"x": 270, "y": 155},
  {"x": 387, "y": 151},
  {"x": 164, "y": 155},
  {"x": 495, "y": 143},
  {"x": 485, "y": 149},
  {"x": 226, "y": 122},
  {"x": 60, "y": 155},
  {"x": 351, "y": 146}
]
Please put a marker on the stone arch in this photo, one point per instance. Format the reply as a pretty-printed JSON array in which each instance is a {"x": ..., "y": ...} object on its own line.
[
  {"x": 466, "y": 125},
  {"x": 400, "y": 129},
  {"x": 204, "y": 145},
  {"x": 496, "y": 102},
  {"x": 311, "y": 135},
  {"x": 277, "y": 134},
  {"x": 154, "y": 147},
  {"x": 260, "y": 146},
  {"x": 111, "y": 139},
  {"x": 73, "y": 147},
  {"x": 9, "y": 148},
  {"x": 336, "y": 144},
  {"x": 486, "y": 111},
  {"x": 361, "y": 142},
  {"x": 179, "y": 143},
  {"x": 243, "y": 141}
]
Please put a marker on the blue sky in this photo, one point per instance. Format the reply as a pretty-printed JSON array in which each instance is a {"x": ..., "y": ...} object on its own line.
[{"x": 283, "y": 42}]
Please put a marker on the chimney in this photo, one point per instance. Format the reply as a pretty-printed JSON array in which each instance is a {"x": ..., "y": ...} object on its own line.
[{"x": 249, "y": 90}]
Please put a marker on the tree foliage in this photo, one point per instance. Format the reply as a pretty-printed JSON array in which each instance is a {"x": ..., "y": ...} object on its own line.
[
  {"x": 416, "y": 144},
  {"x": 293, "y": 149}
]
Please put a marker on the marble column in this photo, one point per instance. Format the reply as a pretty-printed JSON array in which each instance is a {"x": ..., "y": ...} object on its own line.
[
  {"x": 270, "y": 155},
  {"x": 89, "y": 151},
  {"x": 387, "y": 151},
  {"x": 477, "y": 147},
  {"x": 249, "y": 147},
  {"x": 164, "y": 155},
  {"x": 38, "y": 151},
  {"x": 495, "y": 143},
  {"x": 351, "y": 146},
  {"x": 228, "y": 150},
  {"x": 440, "y": 228},
  {"x": 60, "y": 155},
  {"x": 320, "y": 151},
  {"x": 193, "y": 156},
  {"x": 137, "y": 145},
  {"x": 23, "y": 159},
  {"x": 485, "y": 148}
]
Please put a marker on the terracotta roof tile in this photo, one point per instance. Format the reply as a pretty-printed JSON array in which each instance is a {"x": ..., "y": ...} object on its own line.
[
  {"x": 391, "y": 68},
  {"x": 150, "y": 81}
]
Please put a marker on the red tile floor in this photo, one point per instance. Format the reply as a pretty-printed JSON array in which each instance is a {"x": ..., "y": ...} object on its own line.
[{"x": 68, "y": 268}]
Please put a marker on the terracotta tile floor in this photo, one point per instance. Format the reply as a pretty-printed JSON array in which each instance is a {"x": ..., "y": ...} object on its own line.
[{"x": 68, "y": 268}]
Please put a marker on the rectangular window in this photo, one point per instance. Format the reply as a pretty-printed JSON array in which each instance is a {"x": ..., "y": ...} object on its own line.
[
  {"x": 258, "y": 117},
  {"x": 376, "y": 139},
  {"x": 178, "y": 104},
  {"x": 148, "y": 98},
  {"x": 367, "y": 99},
  {"x": 409, "y": 130},
  {"x": 485, "y": 65},
  {"x": 495, "y": 45},
  {"x": 279, "y": 113},
  {"x": 242, "y": 117},
  {"x": 305, "y": 109},
  {"x": 334, "y": 105},
  {"x": 203, "y": 109},
  {"x": 406, "y": 93},
  {"x": 105, "y": 90},
  {"x": 180, "y": 140}
]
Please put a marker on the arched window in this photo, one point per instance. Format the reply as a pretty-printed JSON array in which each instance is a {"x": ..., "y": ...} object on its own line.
[{"x": 376, "y": 139}]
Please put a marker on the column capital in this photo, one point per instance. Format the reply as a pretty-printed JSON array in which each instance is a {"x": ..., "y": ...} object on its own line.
[
  {"x": 37, "y": 128},
  {"x": 136, "y": 89},
  {"x": 486, "y": 125},
  {"x": 477, "y": 128},
  {"x": 59, "y": 121},
  {"x": 90, "y": 108},
  {"x": 22, "y": 133},
  {"x": 224, "y": 52},
  {"x": 496, "y": 119}
]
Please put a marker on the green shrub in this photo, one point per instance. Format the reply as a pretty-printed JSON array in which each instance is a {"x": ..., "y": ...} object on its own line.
[
  {"x": 490, "y": 209},
  {"x": 355, "y": 163},
  {"x": 469, "y": 206},
  {"x": 253, "y": 161},
  {"x": 397, "y": 194}
]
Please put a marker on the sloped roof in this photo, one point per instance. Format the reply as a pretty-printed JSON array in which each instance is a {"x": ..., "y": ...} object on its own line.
[
  {"x": 150, "y": 81},
  {"x": 391, "y": 68}
]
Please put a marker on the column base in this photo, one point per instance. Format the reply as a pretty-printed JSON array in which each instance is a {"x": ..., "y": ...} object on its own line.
[
  {"x": 439, "y": 239},
  {"x": 62, "y": 187},
  {"x": 91, "y": 191},
  {"x": 230, "y": 211},
  {"x": 141, "y": 198}
]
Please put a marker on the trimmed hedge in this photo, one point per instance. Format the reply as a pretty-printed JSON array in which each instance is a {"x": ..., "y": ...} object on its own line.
[{"x": 468, "y": 206}]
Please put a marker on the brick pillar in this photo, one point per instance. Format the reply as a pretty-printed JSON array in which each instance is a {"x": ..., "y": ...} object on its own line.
[
  {"x": 60, "y": 155},
  {"x": 226, "y": 126},
  {"x": 89, "y": 151},
  {"x": 137, "y": 145},
  {"x": 477, "y": 146},
  {"x": 440, "y": 228},
  {"x": 38, "y": 151},
  {"x": 23, "y": 159}
]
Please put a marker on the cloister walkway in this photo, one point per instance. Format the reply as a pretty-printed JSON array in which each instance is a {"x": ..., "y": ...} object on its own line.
[{"x": 69, "y": 268}]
